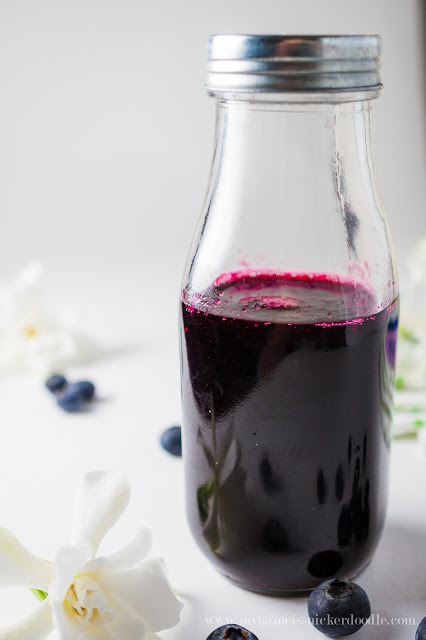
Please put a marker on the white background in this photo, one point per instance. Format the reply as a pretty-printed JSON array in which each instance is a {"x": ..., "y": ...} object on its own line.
[
  {"x": 105, "y": 145},
  {"x": 106, "y": 131}
]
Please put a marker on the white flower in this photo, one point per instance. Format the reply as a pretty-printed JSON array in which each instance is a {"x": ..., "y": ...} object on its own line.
[
  {"x": 414, "y": 296},
  {"x": 411, "y": 358},
  {"x": 410, "y": 413},
  {"x": 410, "y": 398},
  {"x": 120, "y": 597},
  {"x": 29, "y": 339}
]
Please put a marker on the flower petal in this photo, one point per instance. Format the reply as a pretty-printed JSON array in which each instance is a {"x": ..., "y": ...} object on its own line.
[
  {"x": 67, "y": 625},
  {"x": 70, "y": 628},
  {"x": 19, "y": 567},
  {"x": 95, "y": 632},
  {"x": 69, "y": 562},
  {"x": 126, "y": 625},
  {"x": 129, "y": 556},
  {"x": 146, "y": 591},
  {"x": 102, "y": 498},
  {"x": 35, "y": 626},
  {"x": 26, "y": 291}
]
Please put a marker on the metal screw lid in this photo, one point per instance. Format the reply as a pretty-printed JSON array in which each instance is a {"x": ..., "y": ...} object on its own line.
[{"x": 286, "y": 63}]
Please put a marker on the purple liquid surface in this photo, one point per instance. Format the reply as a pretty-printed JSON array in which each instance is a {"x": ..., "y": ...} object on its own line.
[{"x": 287, "y": 386}]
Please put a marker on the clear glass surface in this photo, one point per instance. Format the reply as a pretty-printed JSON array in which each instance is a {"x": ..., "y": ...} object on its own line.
[{"x": 288, "y": 332}]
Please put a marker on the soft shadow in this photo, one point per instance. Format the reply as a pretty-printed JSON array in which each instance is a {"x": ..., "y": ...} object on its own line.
[
  {"x": 395, "y": 582},
  {"x": 192, "y": 624},
  {"x": 93, "y": 405}
]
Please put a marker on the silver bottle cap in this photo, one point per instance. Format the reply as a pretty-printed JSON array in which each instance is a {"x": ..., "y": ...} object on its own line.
[{"x": 287, "y": 63}]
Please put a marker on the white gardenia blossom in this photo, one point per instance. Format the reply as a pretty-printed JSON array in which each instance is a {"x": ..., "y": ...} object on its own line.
[
  {"x": 410, "y": 398},
  {"x": 411, "y": 359},
  {"x": 31, "y": 340},
  {"x": 414, "y": 295},
  {"x": 124, "y": 596}
]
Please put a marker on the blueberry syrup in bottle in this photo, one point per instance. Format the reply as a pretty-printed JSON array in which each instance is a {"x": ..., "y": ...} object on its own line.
[
  {"x": 289, "y": 316},
  {"x": 287, "y": 383}
]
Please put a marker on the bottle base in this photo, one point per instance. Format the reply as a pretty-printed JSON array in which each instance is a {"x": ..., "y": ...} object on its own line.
[{"x": 292, "y": 593}]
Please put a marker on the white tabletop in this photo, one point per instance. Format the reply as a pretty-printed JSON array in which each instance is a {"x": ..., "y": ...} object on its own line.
[{"x": 45, "y": 451}]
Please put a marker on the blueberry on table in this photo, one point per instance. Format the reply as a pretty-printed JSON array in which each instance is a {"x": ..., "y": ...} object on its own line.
[
  {"x": 338, "y": 608},
  {"x": 85, "y": 388},
  {"x": 231, "y": 632},
  {"x": 171, "y": 441},
  {"x": 70, "y": 396},
  {"x": 56, "y": 382},
  {"x": 421, "y": 630},
  {"x": 70, "y": 400}
]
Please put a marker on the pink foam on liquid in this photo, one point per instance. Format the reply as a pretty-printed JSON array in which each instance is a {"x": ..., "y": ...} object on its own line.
[
  {"x": 343, "y": 323},
  {"x": 268, "y": 277},
  {"x": 245, "y": 279}
]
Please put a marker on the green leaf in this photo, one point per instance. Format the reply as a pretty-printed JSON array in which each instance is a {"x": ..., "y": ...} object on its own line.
[
  {"x": 406, "y": 436},
  {"x": 209, "y": 456},
  {"x": 39, "y": 594},
  {"x": 204, "y": 493},
  {"x": 419, "y": 423},
  {"x": 400, "y": 383},
  {"x": 408, "y": 335}
]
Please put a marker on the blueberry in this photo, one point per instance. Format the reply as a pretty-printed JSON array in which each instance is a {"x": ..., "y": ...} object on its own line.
[
  {"x": 56, "y": 382},
  {"x": 231, "y": 632},
  {"x": 85, "y": 388},
  {"x": 421, "y": 630},
  {"x": 70, "y": 400},
  {"x": 171, "y": 441},
  {"x": 338, "y": 608}
]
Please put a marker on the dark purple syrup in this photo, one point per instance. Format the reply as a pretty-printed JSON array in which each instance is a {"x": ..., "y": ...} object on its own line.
[{"x": 287, "y": 389}]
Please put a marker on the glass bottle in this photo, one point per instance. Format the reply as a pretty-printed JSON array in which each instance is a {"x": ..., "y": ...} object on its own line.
[{"x": 289, "y": 316}]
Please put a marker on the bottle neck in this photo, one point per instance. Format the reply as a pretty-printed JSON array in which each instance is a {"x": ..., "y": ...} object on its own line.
[
  {"x": 293, "y": 189},
  {"x": 306, "y": 156}
]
